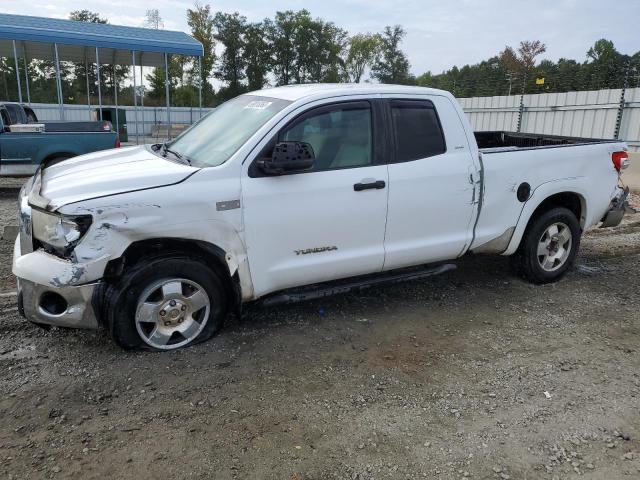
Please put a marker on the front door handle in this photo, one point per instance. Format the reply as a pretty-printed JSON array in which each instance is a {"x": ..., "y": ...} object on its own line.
[{"x": 378, "y": 184}]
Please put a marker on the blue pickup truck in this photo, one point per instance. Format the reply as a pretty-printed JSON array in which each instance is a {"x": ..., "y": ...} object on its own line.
[{"x": 25, "y": 142}]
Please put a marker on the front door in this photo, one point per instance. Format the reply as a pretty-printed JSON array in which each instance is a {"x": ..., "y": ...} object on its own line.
[{"x": 325, "y": 223}]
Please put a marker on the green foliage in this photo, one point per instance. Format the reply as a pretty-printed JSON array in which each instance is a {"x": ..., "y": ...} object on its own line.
[
  {"x": 257, "y": 56},
  {"x": 87, "y": 16},
  {"x": 156, "y": 91},
  {"x": 294, "y": 47},
  {"x": 304, "y": 49},
  {"x": 231, "y": 29},
  {"x": 291, "y": 47},
  {"x": 391, "y": 64},
  {"x": 362, "y": 50},
  {"x": 200, "y": 20},
  {"x": 317, "y": 45},
  {"x": 280, "y": 34},
  {"x": 604, "y": 67}
]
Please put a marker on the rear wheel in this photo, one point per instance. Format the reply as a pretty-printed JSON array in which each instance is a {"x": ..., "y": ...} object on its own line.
[
  {"x": 165, "y": 304},
  {"x": 549, "y": 246}
]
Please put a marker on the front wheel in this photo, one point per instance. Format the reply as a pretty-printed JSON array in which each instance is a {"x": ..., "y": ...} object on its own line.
[
  {"x": 166, "y": 303},
  {"x": 549, "y": 246}
]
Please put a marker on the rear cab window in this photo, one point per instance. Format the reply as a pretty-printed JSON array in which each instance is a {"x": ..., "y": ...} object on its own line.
[
  {"x": 417, "y": 130},
  {"x": 15, "y": 113},
  {"x": 5, "y": 121}
]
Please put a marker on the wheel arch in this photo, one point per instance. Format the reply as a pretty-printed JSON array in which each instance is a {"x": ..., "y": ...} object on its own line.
[
  {"x": 55, "y": 157},
  {"x": 213, "y": 255},
  {"x": 542, "y": 201},
  {"x": 53, "y": 151}
]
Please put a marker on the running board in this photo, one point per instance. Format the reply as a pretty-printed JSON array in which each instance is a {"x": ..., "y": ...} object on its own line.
[{"x": 322, "y": 290}]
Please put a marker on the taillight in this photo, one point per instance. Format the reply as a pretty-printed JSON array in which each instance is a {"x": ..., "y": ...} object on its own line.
[
  {"x": 620, "y": 160},
  {"x": 117, "y": 145}
]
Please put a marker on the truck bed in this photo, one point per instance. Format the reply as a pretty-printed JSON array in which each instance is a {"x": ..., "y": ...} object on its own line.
[
  {"x": 509, "y": 141},
  {"x": 538, "y": 163}
]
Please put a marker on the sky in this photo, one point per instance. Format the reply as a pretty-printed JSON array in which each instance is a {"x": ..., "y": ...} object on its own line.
[{"x": 440, "y": 33}]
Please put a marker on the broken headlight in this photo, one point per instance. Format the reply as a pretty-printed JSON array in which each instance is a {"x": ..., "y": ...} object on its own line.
[{"x": 58, "y": 233}]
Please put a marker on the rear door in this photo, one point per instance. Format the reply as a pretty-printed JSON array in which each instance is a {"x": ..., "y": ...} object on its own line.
[
  {"x": 326, "y": 223},
  {"x": 431, "y": 189}
]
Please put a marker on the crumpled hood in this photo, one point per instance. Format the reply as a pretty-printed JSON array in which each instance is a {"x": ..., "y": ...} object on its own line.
[{"x": 108, "y": 172}]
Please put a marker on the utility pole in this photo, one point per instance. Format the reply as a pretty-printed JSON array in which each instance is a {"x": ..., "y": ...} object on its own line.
[{"x": 510, "y": 76}]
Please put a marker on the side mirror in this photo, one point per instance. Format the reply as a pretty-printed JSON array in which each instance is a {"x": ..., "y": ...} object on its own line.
[{"x": 288, "y": 157}]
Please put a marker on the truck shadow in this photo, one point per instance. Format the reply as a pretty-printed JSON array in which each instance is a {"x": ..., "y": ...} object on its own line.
[{"x": 474, "y": 275}]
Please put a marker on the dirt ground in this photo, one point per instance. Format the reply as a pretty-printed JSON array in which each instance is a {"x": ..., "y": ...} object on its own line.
[{"x": 472, "y": 374}]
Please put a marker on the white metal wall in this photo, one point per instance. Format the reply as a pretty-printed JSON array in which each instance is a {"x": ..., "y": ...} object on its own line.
[
  {"x": 590, "y": 114},
  {"x": 147, "y": 116}
]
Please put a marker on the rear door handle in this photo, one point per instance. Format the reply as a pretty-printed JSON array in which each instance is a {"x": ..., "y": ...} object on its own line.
[{"x": 377, "y": 185}]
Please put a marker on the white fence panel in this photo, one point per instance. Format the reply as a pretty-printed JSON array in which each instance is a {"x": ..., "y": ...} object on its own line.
[
  {"x": 147, "y": 116},
  {"x": 590, "y": 114}
]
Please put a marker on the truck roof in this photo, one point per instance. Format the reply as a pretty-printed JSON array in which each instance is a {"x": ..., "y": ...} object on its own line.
[{"x": 322, "y": 90}]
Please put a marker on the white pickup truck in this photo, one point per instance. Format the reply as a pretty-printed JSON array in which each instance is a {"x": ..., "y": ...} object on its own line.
[{"x": 298, "y": 192}]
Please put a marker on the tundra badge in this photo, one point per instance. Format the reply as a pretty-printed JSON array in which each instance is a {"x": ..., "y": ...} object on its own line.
[{"x": 315, "y": 250}]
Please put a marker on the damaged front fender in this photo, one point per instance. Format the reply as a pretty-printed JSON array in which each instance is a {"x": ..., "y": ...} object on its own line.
[{"x": 117, "y": 227}]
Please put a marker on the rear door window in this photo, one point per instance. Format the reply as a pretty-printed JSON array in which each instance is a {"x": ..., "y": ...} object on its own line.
[{"x": 418, "y": 133}]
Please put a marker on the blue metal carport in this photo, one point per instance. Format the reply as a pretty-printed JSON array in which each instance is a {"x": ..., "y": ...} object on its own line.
[{"x": 66, "y": 40}]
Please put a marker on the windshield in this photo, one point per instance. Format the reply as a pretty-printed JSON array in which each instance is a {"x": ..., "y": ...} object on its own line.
[{"x": 216, "y": 137}]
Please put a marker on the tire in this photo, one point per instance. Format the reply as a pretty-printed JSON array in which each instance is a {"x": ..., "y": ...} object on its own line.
[
  {"x": 165, "y": 303},
  {"x": 545, "y": 257}
]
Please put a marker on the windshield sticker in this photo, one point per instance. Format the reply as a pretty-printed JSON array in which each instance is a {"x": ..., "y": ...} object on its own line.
[{"x": 258, "y": 104}]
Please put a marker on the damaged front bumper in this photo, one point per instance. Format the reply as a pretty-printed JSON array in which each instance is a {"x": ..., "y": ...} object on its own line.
[
  {"x": 618, "y": 208},
  {"x": 51, "y": 302}
]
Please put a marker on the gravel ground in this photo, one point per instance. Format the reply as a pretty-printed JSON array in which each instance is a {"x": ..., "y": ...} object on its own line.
[{"x": 472, "y": 374}]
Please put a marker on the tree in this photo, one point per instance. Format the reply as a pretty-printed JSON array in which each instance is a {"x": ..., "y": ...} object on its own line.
[
  {"x": 157, "y": 84},
  {"x": 391, "y": 64},
  {"x": 328, "y": 64},
  {"x": 257, "y": 56},
  {"x": 522, "y": 62},
  {"x": 602, "y": 50},
  {"x": 605, "y": 65},
  {"x": 87, "y": 16},
  {"x": 361, "y": 53},
  {"x": 200, "y": 20},
  {"x": 280, "y": 34},
  {"x": 231, "y": 28},
  {"x": 528, "y": 51}
]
